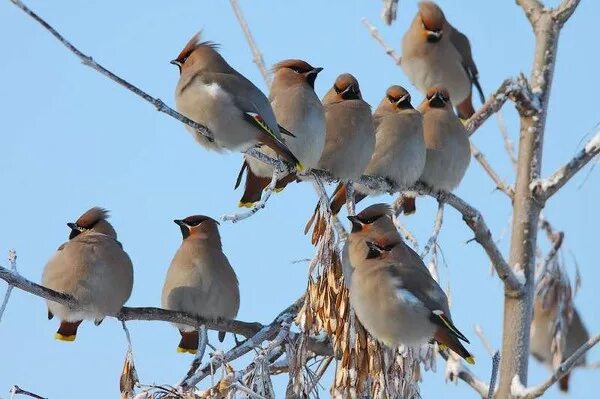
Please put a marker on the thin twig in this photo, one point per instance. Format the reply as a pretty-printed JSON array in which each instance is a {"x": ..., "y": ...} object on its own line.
[
  {"x": 500, "y": 184},
  {"x": 389, "y": 11},
  {"x": 89, "y": 61},
  {"x": 458, "y": 370},
  {"x": 236, "y": 217},
  {"x": 437, "y": 227},
  {"x": 12, "y": 259},
  {"x": 545, "y": 188},
  {"x": 379, "y": 39},
  {"x": 518, "y": 391},
  {"x": 15, "y": 390},
  {"x": 257, "y": 56},
  {"x": 495, "y": 367},
  {"x": 508, "y": 144},
  {"x": 486, "y": 343}
]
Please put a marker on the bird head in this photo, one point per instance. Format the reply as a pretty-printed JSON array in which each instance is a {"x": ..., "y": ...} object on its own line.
[
  {"x": 432, "y": 21},
  {"x": 294, "y": 69},
  {"x": 398, "y": 97},
  {"x": 438, "y": 97},
  {"x": 373, "y": 217},
  {"x": 94, "y": 219},
  {"x": 198, "y": 226},
  {"x": 346, "y": 88},
  {"x": 194, "y": 52}
]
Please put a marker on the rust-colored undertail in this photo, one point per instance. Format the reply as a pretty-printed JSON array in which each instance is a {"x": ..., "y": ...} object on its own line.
[
  {"x": 409, "y": 204},
  {"x": 189, "y": 342},
  {"x": 465, "y": 109},
  {"x": 67, "y": 331},
  {"x": 563, "y": 383},
  {"x": 253, "y": 189}
]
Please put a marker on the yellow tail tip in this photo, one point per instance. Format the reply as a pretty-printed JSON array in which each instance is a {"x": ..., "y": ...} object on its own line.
[
  {"x": 186, "y": 350},
  {"x": 245, "y": 204},
  {"x": 442, "y": 347},
  {"x": 278, "y": 190},
  {"x": 470, "y": 360},
  {"x": 64, "y": 338},
  {"x": 299, "y": 167}
]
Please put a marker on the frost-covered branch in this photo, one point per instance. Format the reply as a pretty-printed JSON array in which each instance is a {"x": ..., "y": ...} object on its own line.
[
  {"x": 565, "y": 10},
  {"x": 545, "y": 188},
  {"x": 12, "y": 259},
  {"x": 455, "y": 369},
  {"x": 15, "y": 390},
  {"x": 256, "y": 54},
  {"x": 520, "y": 392},
  {"x": 389, "y": 11},
  {"x": 89, "y": 61},
  {"x": 493, "y": 378},
  {"x": 258, "y": 206},
  {"x": 379, "y": 39}
]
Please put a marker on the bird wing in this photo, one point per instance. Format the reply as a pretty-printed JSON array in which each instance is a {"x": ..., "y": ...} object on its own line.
[{"x": 462, "y": 45}]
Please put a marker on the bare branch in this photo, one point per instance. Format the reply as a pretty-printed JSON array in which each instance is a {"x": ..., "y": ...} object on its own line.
[
  {"x": 565, "y": 10},
  {"x": 545, "y": 188},
  {"x": 458, "y": 370},
  {"x": 377, "y": 36},
  {"x": 532, "y": 9},
  {"x": 258, "y": 206},
  {"x": 12, "y": 259},
  {"x": 87, "y": 60},
  {"x": 486, "y": 343},
  {"x": 389, "y": 11},
  {"x": 500, "y": 184},
  {"x": 495, "y": 366},
  {"x": 565, "y": 367},
  {"x": 15, "y": 390},
  {"x": 258, "y": 58},
  {"x": 437, "y": 226}
]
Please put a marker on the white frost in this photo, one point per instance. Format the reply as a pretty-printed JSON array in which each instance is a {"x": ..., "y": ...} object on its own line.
[{"x": 593, "y": 144}]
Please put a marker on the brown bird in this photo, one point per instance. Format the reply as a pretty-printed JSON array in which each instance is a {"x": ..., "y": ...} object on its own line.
[
  {"x": 297, "y": 109},
  {"x": 542, "y": 335},
  {"x": 212, "y": 93},
  {"x": 399, "y": 155},
  {"x": 93, "y": 268},
  {"x": 373, "y": 224},
  {"x": 397, "y": 300},
  {"x": 349, "y": 137},
  {"x": 447, "y": 143},
  {"x": 200, "y": 279},
  {"x": 436, "y": 53}
]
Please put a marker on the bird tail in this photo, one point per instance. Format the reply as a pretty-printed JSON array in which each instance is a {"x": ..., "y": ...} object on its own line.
[
  {"x": 189, "y": 342},
  {"x": 252, "y": 188},
  {"x": 563, "y": 383},
  {"x": 221, "y": 336},
  {"x": 445, "y": 338},
  {"x": 465, "y": 109},
  {"x": 479, "y": 89},
  {"x": 409, "y": 204},
  {"x": 284, "y": 181},
  {"x": 67, "y": 331},
  {"x": 338, "y": 198}
]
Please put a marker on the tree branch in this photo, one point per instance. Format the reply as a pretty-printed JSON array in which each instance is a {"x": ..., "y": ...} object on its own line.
[
  {"x": 500, "y": 184},
  {"x": 532, "y": 9},
  {"x": 543, "y": 189},
  {"x": 12, "y": 259},
  {"x": 257, "y": 56},
  {"x": 89, "y": 61},
  {"x": 518, "y": 391},
  {"x": 377, "y": 36},
  {"x": 458, "y": 370},
  {"x": 389, "y": 11},
  {"x": 565, "y": 10}
]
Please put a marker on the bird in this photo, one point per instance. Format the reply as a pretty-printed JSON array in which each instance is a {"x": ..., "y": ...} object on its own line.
[
  {"x": 93, "y": 268},
  {"x": 212, "y": 93},
  {"x": 297, "y": 109},
  {"x": 349, "y": 137},
  {"x": 542, "y": 335},
  {"x": 374, "y": 224},
  {"x": 448, "y": 148},
  {"x": 200, "y": 279},
  {"x": 399, "y": 303},
  {"x": 436, "y": 53},
  {"x": 399, "y": 155}
]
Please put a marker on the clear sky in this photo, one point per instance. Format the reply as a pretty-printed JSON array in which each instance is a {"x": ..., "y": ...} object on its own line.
[{"x": 71, "y": 139}]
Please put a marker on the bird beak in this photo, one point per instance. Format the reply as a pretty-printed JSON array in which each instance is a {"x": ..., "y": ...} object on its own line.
[
  {"x": 356, "y": 224},
  {"x": 175, "y": 62},
  {"x": 178, "y": 222},
  {"x": 434, "y": 36},
  {"x": 315, "y": 71},
  {"x": 72, "y": 226}
]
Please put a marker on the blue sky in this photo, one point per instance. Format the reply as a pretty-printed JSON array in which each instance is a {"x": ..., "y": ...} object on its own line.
[{"x": 72, "y": 139}]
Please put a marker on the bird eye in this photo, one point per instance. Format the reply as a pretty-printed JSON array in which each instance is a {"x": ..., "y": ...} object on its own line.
[
  {"x": 392, "y": 99},
  {"x": 337, "y": 89}
]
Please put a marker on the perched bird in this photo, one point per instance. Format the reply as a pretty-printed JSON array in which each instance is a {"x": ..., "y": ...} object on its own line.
[
  {"x": 373, "y": 224},
  {"x": 212, "y": 93},
  {"x": 93, "y": 268},
  {"x": 399, "y": 155},
  {"x": 297, "y": 109},
  {"x": 447, "y": 143},
  {"x": 398, "y": 302},
  {"x": 542, "y": 335},
  {"x": 200, "y": 279},
  {"x": 349, "y": 136},
  {"x": 436, "y": 53}
]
